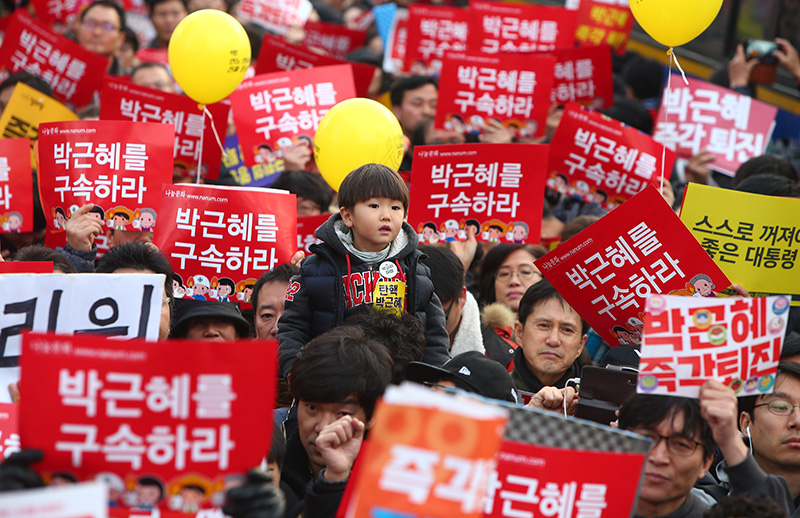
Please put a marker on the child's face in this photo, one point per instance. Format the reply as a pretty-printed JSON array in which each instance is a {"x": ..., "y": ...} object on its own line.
[
  {"x": 224, "y": 290},
  {"x": 374, "y": 222},
  {"x": 120, "y": 221}
]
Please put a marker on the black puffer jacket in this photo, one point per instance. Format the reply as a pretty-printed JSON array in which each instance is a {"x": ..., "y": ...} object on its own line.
[{"x": 333, "y": 281}]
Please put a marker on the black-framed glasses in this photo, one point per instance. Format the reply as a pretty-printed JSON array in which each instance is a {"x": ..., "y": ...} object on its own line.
[
  {"x": 676, "y": 444},
  {"x": 525, "y": 273},
  {"x": 779, "y": 407},
  {"x": 104, "y": 26},
  {"x": 447, "y": 313}
]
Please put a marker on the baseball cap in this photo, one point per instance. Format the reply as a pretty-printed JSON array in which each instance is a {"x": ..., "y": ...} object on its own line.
[{"x": 470, "y": 371}]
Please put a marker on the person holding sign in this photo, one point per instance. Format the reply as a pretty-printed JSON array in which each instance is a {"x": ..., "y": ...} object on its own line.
[{"x": 368, "y": 256}]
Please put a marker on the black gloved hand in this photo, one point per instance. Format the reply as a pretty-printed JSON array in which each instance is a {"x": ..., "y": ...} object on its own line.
[
  {"x": 16, "y": 472},
  {"x": 257, "y": 498}
]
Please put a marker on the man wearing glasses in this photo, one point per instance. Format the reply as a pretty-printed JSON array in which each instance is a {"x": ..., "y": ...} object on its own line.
[
  {"x": 99, "y": 29},
  {"x": 681, "y": 453}
]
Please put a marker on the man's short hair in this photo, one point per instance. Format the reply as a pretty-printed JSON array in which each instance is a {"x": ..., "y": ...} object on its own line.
[
  {"x": 151, "y": 4},
  {"x": 308, "y": 185},
  {"x": 576, "y": 225},
  {"x": 150, "y": 64},
  {"x": 403, "y": 336},
  {"x": 137, "y": 256},
  {"x": 790, "y": 369},
  {"x": 644, "y": 76},
  {"x": 39, "y": 253},
  {"x": 447, "y": 272},
  {"x": 372, "y": 181},
  {"x": 401, "y": 86},
  {"x": 35, "y": 82},
  {"x": 131, "y": 38},
  {"x": 770, "y": 185},
  {"x": 740, "y": 505},
  {"x": 540, "y": 293},
  {"x": 647, "y": 411},
  {"x": 765, "y": 164},
  {"x": 281, "y": 273},
  {"x": 339, "y": 363},
  {"x": 106, "y": 3}
]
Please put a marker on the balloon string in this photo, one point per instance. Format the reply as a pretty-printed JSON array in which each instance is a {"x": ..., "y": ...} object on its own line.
[
  {"x": 674, "y": 57},
  {"x": 666, "y": 117},
  {"x": 214, "y": 129},
  {"x": 197, "y": 166}
]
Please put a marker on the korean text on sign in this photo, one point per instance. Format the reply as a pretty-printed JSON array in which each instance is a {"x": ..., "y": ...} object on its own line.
[
  {"x": 276, "y": 109},
  {"x": 140, "y": 408},
  {"x": 432, "y": 32},
  {"x": 732, "y": 126},
  {"x": 600, "y": 23},
  {"x": 757, "y": 245},
  {"x": 600, "y": 160},
  {"x": 513, "y": 89},
  {"x": 497, "y": 27},
  {"x": 583, "y": 75},
  {"x": 641, "y": 248},
  {"x": 689, "y": 340}
]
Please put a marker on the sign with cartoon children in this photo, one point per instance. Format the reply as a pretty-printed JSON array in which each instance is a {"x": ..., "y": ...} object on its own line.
[
  {"x": 221, "y": 239},
  {"x": 166, "y": 428},
  {"x": 124, "y": 101},
  {"x": 458, "y": 190},
  {"x": 607, "y": 271},
  {"x": 511, "y": 89},
  {"x": 689, "y": 340},
  {"x": 597, "y": 159},
  {"x": 118, "y": 166},
  {"x": 272, "y": 111},
  {"x": 16, "y": 186}
]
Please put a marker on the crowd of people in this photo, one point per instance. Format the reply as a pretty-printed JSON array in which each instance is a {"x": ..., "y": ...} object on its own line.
[{"x": 460, "y": 314}]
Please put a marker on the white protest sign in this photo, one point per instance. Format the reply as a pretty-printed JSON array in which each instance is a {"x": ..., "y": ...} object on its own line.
[
  {"x": 86, "y": 500},
  {"x": 124, "y": 305}
]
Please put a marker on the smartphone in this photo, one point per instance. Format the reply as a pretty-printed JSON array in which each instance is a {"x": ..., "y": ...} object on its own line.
[
  {"x": 603, "y": 391},
  {"x": 763, "y": 50}
]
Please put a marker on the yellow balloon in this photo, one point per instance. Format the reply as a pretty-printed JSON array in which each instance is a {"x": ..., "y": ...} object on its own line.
[
  {"x": 353, "y": 133},
  {"x": 209, "y": 53},
  {"x": 675, "y": 22}
]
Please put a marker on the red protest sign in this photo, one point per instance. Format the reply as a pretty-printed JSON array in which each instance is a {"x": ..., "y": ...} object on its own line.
[
  {"x": 701, "y": 115},
  {"x": 9, "y": 429},
  {"x": 479, "y": 185},
  {"x": 583, "y": 75},
  {"x": 598, "y": 159},
  {"x": 336, "y": 40},
  {"x": 607, "y": 271},
  {"x": 26, "y": 267},
  {"x": 123, "y": 100},
  {"x": 396, "y": 42},
  {"x": 306, "y": 226},
  {"x": 277, "y": 15},
  {"x": 272, "y": 111},
  {"x": 513, "y": 89},
  {"x": 50, "y": 12},
  {"x": 599, "y": 23},
  {"x": 432, "y": 32},
  {"x": 16, "y": 186},
  {"x": 277, "y": 54},
  {"x": 535, "y": 480},
  {"x": 73, "y": 72},
  {"x": 690, "y": 340},
  {"x": 119, "y": 166},
  {"x": 221, "y": 239},
  {"x": 147, "y": 55},
  {"x": 504, "y": 27},
  {"x": 184, "y": 414}
]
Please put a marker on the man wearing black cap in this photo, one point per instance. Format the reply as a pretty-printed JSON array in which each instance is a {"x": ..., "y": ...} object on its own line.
[
  {"x": 209, "y": 320},
  {"x": 470, "y": 371}
]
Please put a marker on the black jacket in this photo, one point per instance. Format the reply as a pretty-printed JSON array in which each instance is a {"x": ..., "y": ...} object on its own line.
[
  {"x": 524, "y": 379},
  {"x": 332, "y": 281}
]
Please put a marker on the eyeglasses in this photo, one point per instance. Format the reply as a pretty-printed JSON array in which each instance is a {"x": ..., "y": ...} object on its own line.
[
  {"x": 676, "y": 444},
  {"x": 104, "y": 26},
  {"x": 779, "y": 407},
  {"x": 525, "y": 273}
]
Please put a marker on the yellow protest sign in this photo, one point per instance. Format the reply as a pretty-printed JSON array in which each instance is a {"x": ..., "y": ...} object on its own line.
[
  {"x": 753, "y": 238},
  {"x": 28, "y": 108}
]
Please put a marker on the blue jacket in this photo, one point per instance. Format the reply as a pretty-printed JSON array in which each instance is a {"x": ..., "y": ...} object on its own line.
[{"x": 333, "y": 281}]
